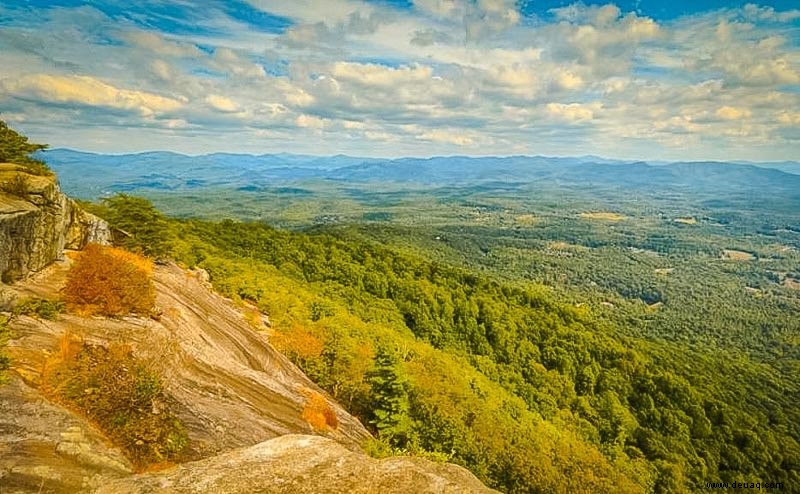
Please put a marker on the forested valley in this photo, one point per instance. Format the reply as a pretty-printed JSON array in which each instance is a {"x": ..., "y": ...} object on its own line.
[{"x": 540, "y": 364}]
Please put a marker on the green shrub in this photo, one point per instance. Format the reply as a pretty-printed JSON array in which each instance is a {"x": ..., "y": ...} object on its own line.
[
  {"x": 123, "y": 395},
  {"x": 141, "y": 227},
  {"x": 380, "y": 448},
  {"x": 39, "y": 307}
]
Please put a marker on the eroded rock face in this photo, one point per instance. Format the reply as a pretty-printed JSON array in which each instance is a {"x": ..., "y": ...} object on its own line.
[
  {"x": 227, "y": 384},
  {"x": 299, "y": 464},
  {"x": 45, "y": 448},
  {"x": 39, "y": 222}
]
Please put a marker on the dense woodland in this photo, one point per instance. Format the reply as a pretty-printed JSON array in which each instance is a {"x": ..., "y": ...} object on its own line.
[{"x": 531, "y": 390}]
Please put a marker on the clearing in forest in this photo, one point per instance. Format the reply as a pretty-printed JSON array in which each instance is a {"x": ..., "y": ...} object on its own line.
[
  {"x": 737, "y": 255},
  {"x": 525, "y": 219},
  {"x": 602, "y": 215},
  {"x": 791, "y": 283},
  {"x": 559, "y": 245}
]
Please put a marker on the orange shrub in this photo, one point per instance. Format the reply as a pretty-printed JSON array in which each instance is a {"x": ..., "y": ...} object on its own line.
[
  {"x": 298, "y": 344},
  {"x": 318, "y": 412},
  {"x": 110, "y": 281}
]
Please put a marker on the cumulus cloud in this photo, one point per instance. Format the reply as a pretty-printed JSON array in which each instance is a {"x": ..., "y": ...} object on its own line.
[
  {"x": 602, "y": 39},
  {"x": 733, "y": 113},
  {"x": 477, "y": 18},
  {"x": 788, "y": 117},
  {"x": 310, "y": 122},
  {"x": 573, "y": 112},
  {"x": 86, "y": 91},
  {"x": 379, "y": 75},
  {"x": 446, "y": 136},
  {"x": 754, "y": 12},
  {"x": 430, "y": 36},
  {"x": 221, "y": 103},
  {"x": 160, "y": 45},
  {"x": 229, "y": 62}
]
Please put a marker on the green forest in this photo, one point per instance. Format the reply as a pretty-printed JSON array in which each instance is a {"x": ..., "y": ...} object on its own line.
[{"x": 601, "y": 379}]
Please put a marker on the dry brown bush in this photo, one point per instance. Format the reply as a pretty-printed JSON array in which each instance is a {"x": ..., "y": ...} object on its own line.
[{"x": 110, "y": 281}]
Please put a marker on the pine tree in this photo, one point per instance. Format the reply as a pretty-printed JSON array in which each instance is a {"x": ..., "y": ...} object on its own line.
[
  {"x": 390, "y": 392},
  {"x": 147, "y": 228}
]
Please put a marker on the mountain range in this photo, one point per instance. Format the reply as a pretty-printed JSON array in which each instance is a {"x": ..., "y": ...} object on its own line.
[{"x": 89, "y": 175}]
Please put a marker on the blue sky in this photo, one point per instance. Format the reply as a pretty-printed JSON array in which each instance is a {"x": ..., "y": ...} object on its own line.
[{"x": 650, "y": 79}]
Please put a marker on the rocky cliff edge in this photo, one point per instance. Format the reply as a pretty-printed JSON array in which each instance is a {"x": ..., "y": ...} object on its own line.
[{"x": 37, "y": 222}]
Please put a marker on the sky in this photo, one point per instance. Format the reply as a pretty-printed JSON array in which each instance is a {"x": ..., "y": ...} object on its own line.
[{"x": 638, "y": 79}]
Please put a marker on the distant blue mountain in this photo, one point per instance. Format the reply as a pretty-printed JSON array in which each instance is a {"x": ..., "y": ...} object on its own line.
[{"x": 89, "y": 175}]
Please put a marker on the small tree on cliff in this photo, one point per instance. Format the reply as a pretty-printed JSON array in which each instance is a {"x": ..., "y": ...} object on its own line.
[{"x": 15, "y": 148}]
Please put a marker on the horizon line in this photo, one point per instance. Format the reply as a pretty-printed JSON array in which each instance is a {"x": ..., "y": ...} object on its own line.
[{"x": 429, "y": 157}]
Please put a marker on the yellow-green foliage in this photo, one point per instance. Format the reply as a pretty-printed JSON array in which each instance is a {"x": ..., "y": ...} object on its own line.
[
  {"x": 39, "y": 307},
  {"x": 121, "y": 394},
  {"x": 456, "y": 414},
  {"x": 18, "y": 186}
]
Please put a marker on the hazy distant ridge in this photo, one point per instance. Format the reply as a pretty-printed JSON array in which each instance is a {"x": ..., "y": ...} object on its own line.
[{"x": 90, "y": 175}]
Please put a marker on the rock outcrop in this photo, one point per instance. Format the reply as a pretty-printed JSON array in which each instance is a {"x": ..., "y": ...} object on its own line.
[
  {"x": 228, "y": 385},
  {"x": 46, "y": 448},
  {"x": 37, "y": 222},
  {"x": 298, "y": 464}
]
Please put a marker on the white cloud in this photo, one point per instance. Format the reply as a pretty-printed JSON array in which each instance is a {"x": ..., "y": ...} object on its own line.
[
  {"x": 573, "y": 112},
  {"x": 733, "y": 113},
  {"x": 446, "y": 136},
  {"x": 310, "y": 122},
  {"x": 221, "y": 103},
  {"x": 379, "y": 136},
  {"x": 757, "y": 13},
  {"x": 379, "y": 75},
  {"x": 788, "y": 117},
  {"x": 478, "y": 18},
  {"x": 230, "y": 62},
  {"x": 160, "y": 45},
  {"x": 351, "y": 124},
  {"x": 162, "y": 69},
  {"x": 88, "y": 91},
  {"x": 568, "y": 80}
]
